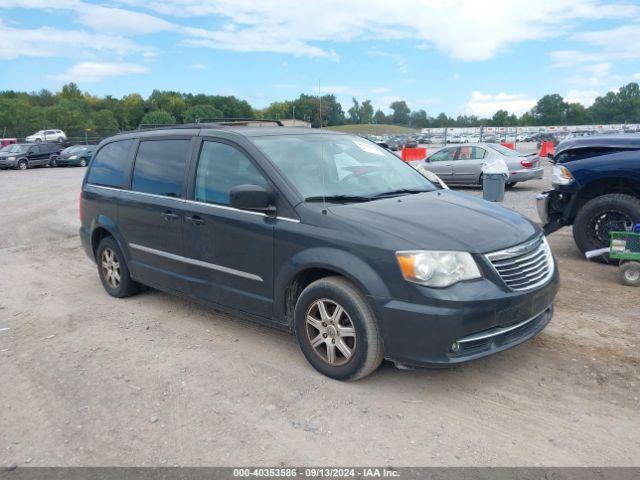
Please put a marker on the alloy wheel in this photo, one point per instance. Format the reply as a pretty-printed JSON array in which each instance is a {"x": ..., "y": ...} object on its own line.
[
  {"x": 608, "y": 221},
  {"x": 330, "y": 332},
  {"x": 110, "y": 268}
]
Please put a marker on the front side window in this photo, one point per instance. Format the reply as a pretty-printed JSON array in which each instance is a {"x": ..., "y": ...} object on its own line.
[
  {"x": 332, "y": 165},
  {"x": 445, "y": 154},
  {"x": 35, "y": 150},
  {"x": 159, "y": 167},
  {"x": 471, "y": 153},
  {"x": 111, "y": 165},
  {"x": 220, "y": 168}
]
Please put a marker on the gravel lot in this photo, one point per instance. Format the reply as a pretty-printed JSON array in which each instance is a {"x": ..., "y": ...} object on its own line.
[{"x": 157, "y": 380}]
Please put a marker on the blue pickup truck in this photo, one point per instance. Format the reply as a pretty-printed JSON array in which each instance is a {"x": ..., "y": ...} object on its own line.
[{"x": 596, "y": 188}]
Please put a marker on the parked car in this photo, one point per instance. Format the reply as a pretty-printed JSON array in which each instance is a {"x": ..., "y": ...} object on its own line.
[
  {"x": 7, "y": 141},
  {"x": 47, "y": 136},
  {"x": 470, "y": 139},
  {"x": 324, "y": 234},
  {"x": 454, "y": 138},
  {"x": 462, "y": 164},
  {"x": 596, "y": 189},
  {"x": 77, "y": 155},
  {"x": 411, "y": 144},
  {"x": 27, "y": 155}
]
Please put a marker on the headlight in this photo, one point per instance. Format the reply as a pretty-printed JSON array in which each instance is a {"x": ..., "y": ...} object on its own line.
[
  {"x": 561, "y": 175},
  {"x": 11, "y": 159},
  {"x": 437, "y": 268},
  {"x": 73, "y": 157}
]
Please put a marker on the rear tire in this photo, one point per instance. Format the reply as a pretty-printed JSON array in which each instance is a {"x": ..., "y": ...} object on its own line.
[
  {"x": 630, "y": 274},
  {"x": 113, "y": 270},
  {"x": 53, "y": 162},
  {"x": 351, "y": 333},
  {"x": 510, "y": 185},
  {"x": 604, "y": 214}
]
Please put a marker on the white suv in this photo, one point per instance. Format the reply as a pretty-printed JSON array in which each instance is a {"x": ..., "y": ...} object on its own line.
[{"x": 47, "y": 136}]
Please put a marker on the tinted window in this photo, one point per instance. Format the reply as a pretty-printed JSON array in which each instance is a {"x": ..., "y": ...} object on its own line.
[
  {"x": 580, "y": 153},
  {"x": 111, "y": 166},
  {"x": 159, "y": 167},
  {"x": 35, "y": 150},
  {"x": 220, "y": 168}
]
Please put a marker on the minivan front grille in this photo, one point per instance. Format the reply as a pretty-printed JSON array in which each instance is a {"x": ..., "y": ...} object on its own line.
[{"x": 525, "y": 266}]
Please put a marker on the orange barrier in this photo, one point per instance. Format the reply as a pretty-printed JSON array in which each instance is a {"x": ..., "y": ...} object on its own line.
[
  {"x": 410, "y": 154},
  {"x": 508, "y": 145},
  {"x": 546, "y": 148}
]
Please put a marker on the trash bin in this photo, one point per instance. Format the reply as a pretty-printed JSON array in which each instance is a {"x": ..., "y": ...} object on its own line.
[
  {"x": 494, "y": 175},
  {"x": 493, "y": 187}
]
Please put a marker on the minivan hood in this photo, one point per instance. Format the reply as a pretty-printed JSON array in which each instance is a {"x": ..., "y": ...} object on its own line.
[{"x": 442, "y": 220}]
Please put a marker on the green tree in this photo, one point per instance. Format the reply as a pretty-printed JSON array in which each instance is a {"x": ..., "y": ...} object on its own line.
[
  {"x": 354, "y": 112},
  {"x": 379, "y": 117},
  {"x": 158, "y": 117},
  {"x": 550, "y": 110},
  {"x": 577, "y": 114},
  {"x": 419, "y": 119},
  {"x": 201, "y": 111},
  {"x": 401, "y": 111},
  {"x": 132, "y": 107},
  {"x": 366, "y": 112}
]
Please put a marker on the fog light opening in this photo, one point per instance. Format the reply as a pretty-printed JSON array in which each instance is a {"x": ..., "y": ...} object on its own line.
[{"x": 455, "y": 347}]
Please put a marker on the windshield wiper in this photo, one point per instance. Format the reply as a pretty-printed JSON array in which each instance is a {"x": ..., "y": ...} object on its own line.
[
  {"x": 338, "y": 198},
  {"x": 400, "y": 191}
]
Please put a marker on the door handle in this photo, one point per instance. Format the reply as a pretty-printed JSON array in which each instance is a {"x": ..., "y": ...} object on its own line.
[
  {"x": 169, "y": 216},
  {"x": 195, "y": 219}
]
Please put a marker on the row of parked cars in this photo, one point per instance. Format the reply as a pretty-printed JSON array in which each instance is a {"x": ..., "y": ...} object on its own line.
[{"x": 22, "y": 156}]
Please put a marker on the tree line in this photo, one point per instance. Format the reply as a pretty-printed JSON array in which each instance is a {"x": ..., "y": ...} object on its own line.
[{"x": 81, "y": 113}]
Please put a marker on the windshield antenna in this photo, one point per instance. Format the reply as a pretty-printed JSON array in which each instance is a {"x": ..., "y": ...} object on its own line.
[{"x": 322, "y": 163}]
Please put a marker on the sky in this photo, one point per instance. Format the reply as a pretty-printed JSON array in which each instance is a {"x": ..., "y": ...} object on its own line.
[{"x": 453, "y": 56}]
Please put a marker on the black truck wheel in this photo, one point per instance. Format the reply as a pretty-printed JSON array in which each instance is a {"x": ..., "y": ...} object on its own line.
[{"x": 598, "y": 217}]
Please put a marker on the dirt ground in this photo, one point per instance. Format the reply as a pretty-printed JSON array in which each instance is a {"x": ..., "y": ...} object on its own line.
[{"x": 156, "y": 380}]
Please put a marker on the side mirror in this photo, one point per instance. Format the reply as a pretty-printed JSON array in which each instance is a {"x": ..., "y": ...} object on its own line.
[{"x": 251, "y": 197}]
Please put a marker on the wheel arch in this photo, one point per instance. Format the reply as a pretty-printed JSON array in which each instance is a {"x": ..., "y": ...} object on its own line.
[
  {"x": 605, "y": 186},
  {"x": 314, "y": 264},
  {"x": 102, "y": 227}
]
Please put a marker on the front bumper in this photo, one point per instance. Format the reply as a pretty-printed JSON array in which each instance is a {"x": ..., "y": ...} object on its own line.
[
  {"x": 5, "y": 163},
  {"x": 483, "y": 321}
]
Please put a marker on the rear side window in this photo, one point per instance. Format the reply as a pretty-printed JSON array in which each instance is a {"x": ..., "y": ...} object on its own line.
[
  {"x": 159, "y": 167},
  {"x": 110, "y": 166},
  {"x": 220, "y": 168}
]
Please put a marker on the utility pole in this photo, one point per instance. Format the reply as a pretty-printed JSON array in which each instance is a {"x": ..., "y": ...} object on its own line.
[
  {"x": 320, "y": 98},
  {"x": 294, "y": 115}
]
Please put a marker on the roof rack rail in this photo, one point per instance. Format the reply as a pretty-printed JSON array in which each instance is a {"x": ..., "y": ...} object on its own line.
[
  {"x": 148, "y": 126},
  {"x": 238, "y": 121}
]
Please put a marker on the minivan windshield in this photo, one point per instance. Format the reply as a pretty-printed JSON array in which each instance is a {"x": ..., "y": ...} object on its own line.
[
  {"x": 15, "y": 148},
  {"x": 341, "y": 167}
]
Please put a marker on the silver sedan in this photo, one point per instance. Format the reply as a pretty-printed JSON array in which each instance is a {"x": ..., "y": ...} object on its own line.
[{"x": 462, "y": 164}]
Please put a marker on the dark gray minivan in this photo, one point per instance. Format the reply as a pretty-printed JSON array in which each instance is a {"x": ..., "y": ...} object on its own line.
[{"x": 324, "y": 234}]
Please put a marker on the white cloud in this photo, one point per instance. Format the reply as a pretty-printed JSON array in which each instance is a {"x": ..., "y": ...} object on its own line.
[
  {"x": 294, "y": 27},
  {"x": 97, "y": 71},
  {"x": 119, "y": 21},
  {"x": 399, "y": 60},
  {"x": 485, "y": 104},
  {"x": 53, "y": 42},
  {"x": 198, "y": 66},
  {"x": 585, "y": 97}
]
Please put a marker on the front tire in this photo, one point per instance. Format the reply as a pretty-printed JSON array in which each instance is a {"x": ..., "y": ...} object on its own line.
[
  {"x": 23, "y": 165},
  {"x": 337, "y": 330},
  {"x": 113, "y": 270},
  {"x": 604, "y": 214},
  {"x": 83, "y": 162}
]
